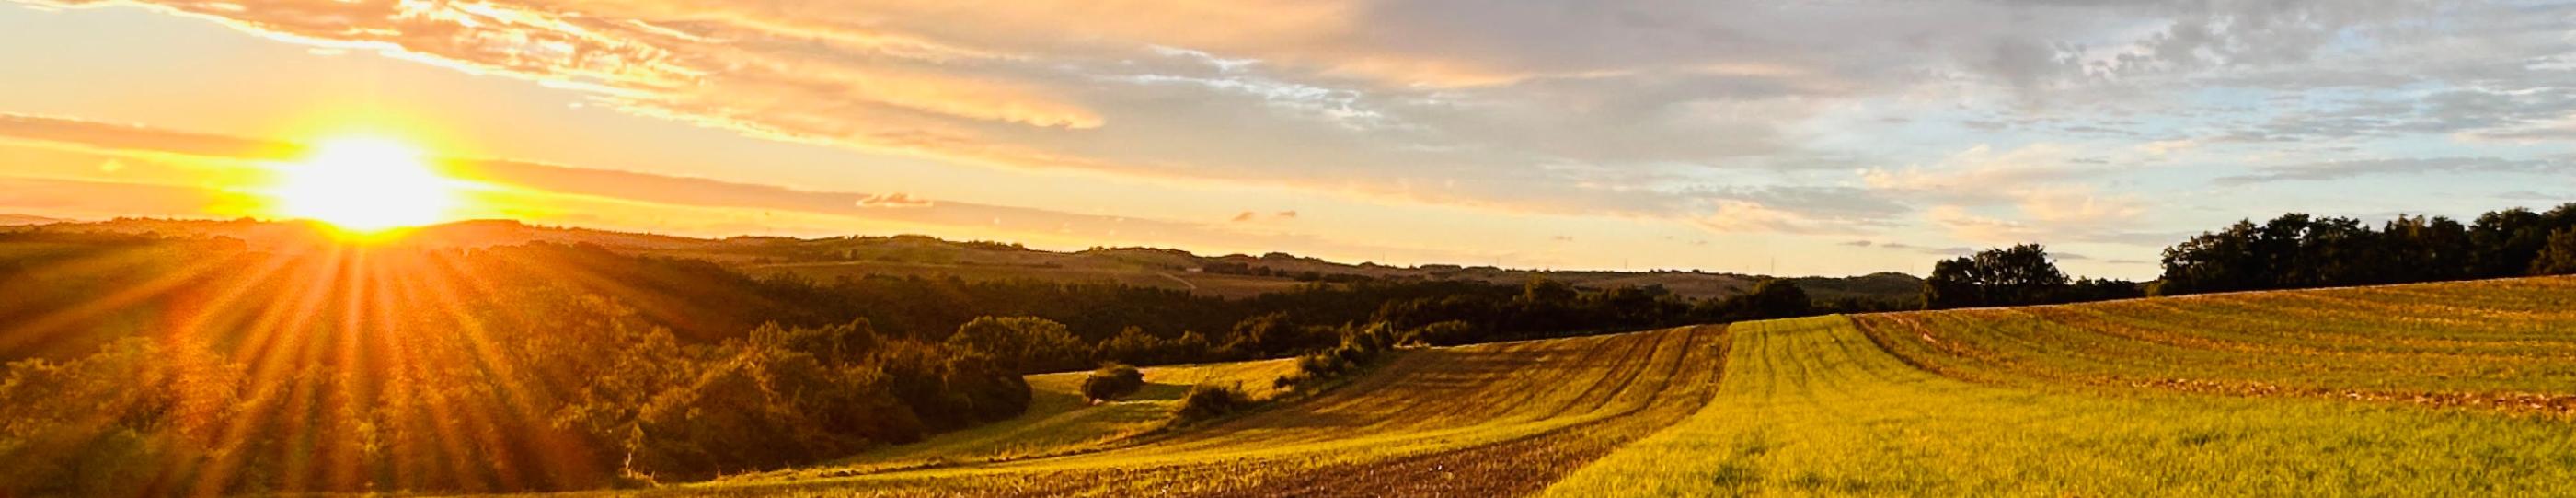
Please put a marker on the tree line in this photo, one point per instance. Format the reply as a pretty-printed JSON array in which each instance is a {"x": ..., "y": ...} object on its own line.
[
  {"x": 2293, "y": 251},
  {"x": 2301, "y": 251}
]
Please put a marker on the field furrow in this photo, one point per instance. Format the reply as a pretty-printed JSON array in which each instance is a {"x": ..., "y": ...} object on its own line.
[
  {"x": 2503, "y": 345},
  {"x": 1521, "y": 466},
  {"x": 1486, "y": 420},
  {"x": 1816, "y": 407}
]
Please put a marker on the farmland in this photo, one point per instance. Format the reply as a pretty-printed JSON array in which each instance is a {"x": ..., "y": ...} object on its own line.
[
  {"x": 1060, "y": 421},
  {"x": 2500, "y": 344},
  {"x": 1812, "y": 406},
  {"x": 2391, "y": 390},
  {"x": 1479, "y": 420},
  {"x": 2395, "y": 390}
]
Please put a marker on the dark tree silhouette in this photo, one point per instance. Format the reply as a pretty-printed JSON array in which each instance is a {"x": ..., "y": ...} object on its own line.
[
  {"x": 2016, "y": 275},
  {"x": 1035, "y": 345},
  {"x": 1111, "y": 382},
  {"x": 2559, "y": 258},
  {"x": 2302, "y": 251}
]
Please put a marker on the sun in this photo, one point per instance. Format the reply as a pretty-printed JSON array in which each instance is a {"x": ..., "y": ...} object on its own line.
[{"x": 365, "y": 185}]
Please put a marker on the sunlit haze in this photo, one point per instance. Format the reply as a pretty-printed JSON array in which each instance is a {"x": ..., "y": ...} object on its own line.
[
  {"x": 1251, "y": 248},
  {"x": 1830, "y": 138},
  {"x": 363, "y": 184}
]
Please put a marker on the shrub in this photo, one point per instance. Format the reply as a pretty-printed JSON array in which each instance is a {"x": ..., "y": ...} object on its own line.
[
  {"x": 1111, "y": 382},
  {"x": 1206, "y": 402},
  {"x": 1448, "y": 333},
  {"x": 1289, "y": 381}
]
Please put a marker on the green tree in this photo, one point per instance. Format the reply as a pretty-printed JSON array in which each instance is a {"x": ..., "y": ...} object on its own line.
[
  {"x": 2016, "y": 275},
  {"x": 1024, "y": 344},
  {"x": 1775, "y": 298},
  {"x": 2559, "y": 257},
  {"x": 1191, "y": 346},
  {"x": 2218, "y": 261},
  {"x": 1273, "y": 334},
  {"x": 1542, "y": 290},
  {"x": 2507, "y": 241},
  {"x": 1133, "y": 345}
]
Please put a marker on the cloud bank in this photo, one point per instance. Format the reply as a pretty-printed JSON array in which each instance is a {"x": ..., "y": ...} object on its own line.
[{"x": 1974, "y": 121}]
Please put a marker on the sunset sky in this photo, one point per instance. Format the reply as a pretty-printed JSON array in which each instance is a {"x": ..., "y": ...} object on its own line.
[{"x": 1832, "y": 138}]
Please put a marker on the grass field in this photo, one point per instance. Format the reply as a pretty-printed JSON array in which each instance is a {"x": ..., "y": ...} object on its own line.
[
  {"x": 1812, "y": 406},
  {"x": 2499, "y": 344},
  {"x": 1493, "y": 419},
  {"x": 2432, "y": 389},
  {"x": 1060, "y": 421}
]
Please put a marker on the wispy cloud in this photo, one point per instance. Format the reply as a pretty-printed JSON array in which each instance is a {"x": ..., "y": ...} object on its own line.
[
  {"x": 1462, "y": 92},
  {"x": 895, "y": 200},
  {"x": 55, "y": 195},
  {"x": 2337, "y": 170},
  {"x": 1969, "y": 119}
]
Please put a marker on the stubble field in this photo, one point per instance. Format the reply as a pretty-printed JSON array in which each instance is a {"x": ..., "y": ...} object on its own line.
[{"x": 2430, "y": 389}]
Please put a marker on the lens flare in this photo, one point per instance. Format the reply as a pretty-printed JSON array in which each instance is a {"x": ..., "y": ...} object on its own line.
[{"x": 364, "y": 185}]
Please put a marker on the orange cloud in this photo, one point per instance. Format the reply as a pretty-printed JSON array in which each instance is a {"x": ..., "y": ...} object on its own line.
[
  {"x": 597, "y": 187},
  {"x": 897, "y": 200},
  {"x": 737, "y": 74},
  {"x": 1740, "y": 216}
]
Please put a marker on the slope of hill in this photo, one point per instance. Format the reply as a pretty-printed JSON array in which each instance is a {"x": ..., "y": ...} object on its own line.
[
  {"x": 2321, "y": 392},
  {"x": 2502, "y": 344},
  {"x": 1485, "y": 420},
  {"x": 11, "y": 220},
  {"x": 1060, "y": 421},
  {"x": 1813, "y": 407},
  {"x": 914, "y": 255}
]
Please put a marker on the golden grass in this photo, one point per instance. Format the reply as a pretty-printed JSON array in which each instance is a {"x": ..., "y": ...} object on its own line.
[
  {"x": 1523, "y": 400},
  {"x": 1813, "y": 407},
  {"x": 2399, "y": 390},
  {"x": 2497, "y": 344},
  {"x": 1060, "y": 421}
]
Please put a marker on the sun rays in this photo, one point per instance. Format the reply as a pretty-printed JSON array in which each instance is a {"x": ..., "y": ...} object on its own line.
[{"x": 335, "y": 367}]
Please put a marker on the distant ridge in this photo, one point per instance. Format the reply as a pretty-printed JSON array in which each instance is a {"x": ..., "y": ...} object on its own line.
[
  {"x": 1234, "y": 275},
  {"x": 14, "y": 220}
]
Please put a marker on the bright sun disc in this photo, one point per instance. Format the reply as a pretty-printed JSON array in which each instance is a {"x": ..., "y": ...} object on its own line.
[{"x": 364, "y": 185}]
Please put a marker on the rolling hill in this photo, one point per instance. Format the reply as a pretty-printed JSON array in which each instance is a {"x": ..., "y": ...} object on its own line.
[
  {"x": 1484, "y": 420},
  {"x": 914, "y": 255},
  {"x": 2505, "y": 344},
  {"x": 2458, "y": 387},
  {"x": 11, "y": 220},
  {"x": 2403, "y": 390},
  {"x": 1813, "y": 407}
]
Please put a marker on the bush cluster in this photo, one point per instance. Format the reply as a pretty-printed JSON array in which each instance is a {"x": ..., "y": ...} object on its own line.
[
  {"x": 1210, "y": 401},
  {"x": 1111, "y": 382},
  {"x": 1360, "y": 346}
]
